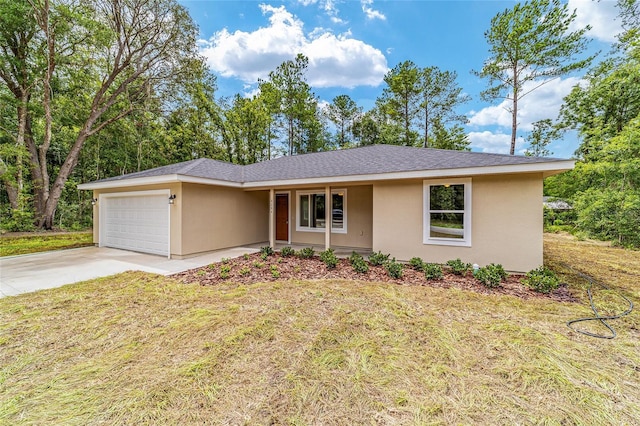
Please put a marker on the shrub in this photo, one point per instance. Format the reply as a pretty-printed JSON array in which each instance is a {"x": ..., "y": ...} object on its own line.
[
  {"x": 377, "y": 259},
  {"x": 274, "y": 271},
  {"x": 266, "y": 251},
  {"x": 224, "y": 271},
  {"x": 245, "y": 271},
  {"x": 306, "y": 253},
  {"x": 329, "y": 258},
  {"x": 432, "y": 271},
  {"x": 394, "y": 269},
  {"x": 246, "y": 256},
  {"x": 490, "y": 275},
  {"x": 417, "y": 263},
  {"x": 358, "y": 263},
  {"x": 287, "y": 251},
  {"x": 542, "y": 279},
  {"x": 458, "y": 267}
]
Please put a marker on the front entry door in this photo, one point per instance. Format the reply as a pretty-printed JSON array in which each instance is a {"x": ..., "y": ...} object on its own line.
[{"x": 282, "y": 217}]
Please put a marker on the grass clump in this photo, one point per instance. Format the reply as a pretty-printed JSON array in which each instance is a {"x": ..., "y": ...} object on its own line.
[
  {"x": 432, "y": 271},
  {"x": 458, "y": 267},
  {"x": 417, "y": 263},
  {"x": 306, "y": 253},
  {"x": 393, "y": 268},
  {"x": 358, "y": 263},
  {"x": 287, "y": 251},
  {"x": 542, "y": 280},
  {"x": 377, "y": 259},
  {"x": 275, "y": 273},
  {"x": 329, "y": 258}
]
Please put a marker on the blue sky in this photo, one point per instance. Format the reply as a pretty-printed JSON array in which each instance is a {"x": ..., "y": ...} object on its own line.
[{"x": 351, "y": 44}]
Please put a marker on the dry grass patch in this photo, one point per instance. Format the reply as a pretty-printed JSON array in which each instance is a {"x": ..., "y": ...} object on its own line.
[{"x": 143, "y": 349}]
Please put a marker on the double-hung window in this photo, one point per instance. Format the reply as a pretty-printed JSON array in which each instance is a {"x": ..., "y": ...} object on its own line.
[
  {"x": 447, "y": 212},
  {"x": 312, "y": 211}
]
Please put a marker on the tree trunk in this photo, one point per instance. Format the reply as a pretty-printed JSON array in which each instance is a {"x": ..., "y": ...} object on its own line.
[{"x": 514, "y": 112}]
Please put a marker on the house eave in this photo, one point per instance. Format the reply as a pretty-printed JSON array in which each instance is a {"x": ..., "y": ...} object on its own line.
[{"x": 156, "y": 180}]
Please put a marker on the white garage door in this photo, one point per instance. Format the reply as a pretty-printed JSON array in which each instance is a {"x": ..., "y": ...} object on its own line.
[{"x": 136, "y": 222}]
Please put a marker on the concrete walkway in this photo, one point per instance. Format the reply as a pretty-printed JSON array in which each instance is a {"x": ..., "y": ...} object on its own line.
[{"x": 32, "y": 272}]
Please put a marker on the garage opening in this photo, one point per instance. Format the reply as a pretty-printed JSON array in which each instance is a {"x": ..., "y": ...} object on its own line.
[{"x": 137, "y": 221}]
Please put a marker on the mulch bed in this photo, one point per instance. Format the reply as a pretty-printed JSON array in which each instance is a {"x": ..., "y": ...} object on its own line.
[{"x": 252, "y": 268}]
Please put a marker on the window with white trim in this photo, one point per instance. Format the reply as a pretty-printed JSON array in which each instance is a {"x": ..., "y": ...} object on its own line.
[
  {"x": 447, "y": 212},
  {"x": 312, "y": 208}
]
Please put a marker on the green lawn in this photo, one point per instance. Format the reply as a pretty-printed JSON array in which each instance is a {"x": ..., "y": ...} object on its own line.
[
  {"x": 138, "y": 348},
  {"x": 38, "y": 242}
]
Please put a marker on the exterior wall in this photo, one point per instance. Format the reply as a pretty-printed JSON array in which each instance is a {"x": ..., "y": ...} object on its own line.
[
  {"x": 359, "y": 220},
  {"x": 175, "y": 218},
  {"x": 216, "y": 217},
  {"x": 506, "y": 222}
]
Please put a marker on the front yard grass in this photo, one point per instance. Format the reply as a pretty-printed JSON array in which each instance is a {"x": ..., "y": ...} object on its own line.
[
  {"x": 41, "y": 241},
  {"x": 138, "y": 348}
]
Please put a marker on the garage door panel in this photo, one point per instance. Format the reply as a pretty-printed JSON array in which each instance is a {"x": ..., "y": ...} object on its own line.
[{"x": 139, "y": 223}]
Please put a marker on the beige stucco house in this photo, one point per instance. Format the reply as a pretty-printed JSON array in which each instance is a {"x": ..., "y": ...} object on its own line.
[{"x": 435, "y": 204}]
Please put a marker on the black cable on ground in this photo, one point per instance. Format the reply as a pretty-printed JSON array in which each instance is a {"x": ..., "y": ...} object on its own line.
[{"x": 603, "y": 319}]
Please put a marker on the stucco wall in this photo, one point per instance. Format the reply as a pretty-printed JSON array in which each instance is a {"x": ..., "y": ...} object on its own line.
[
  {"x": 506, "y": 222},
  {"x": 175, "y": 218},
  {"x": 359, "y": 220},
  {"x": 218, "y": 217}
]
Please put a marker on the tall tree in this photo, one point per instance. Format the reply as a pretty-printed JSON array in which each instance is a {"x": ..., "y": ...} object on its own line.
[
  {"x": 298, "y": 104},
  {"x": 542, "y": 134},
  {"x": 441, "y": 95},
  {"x": 128, "y": 50},
  {"x": 529, "y": 46},
  {"x": 342, "y": 112},
  {"x": 400, "y": 99}
]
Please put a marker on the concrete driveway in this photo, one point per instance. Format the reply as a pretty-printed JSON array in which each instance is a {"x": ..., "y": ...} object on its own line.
[{"x": 31, "y": 272}]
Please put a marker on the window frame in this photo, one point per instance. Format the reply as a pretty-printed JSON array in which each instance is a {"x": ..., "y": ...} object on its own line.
[
  {"x": 300, "y": 228},
  {"x": 465, "y": 241}
]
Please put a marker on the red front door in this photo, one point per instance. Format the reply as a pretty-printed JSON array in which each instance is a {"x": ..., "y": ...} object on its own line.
[{"x": 282, "y": 217}]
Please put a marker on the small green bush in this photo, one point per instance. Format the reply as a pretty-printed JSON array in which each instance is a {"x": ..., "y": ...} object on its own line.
[
  {"x": 224, "y": 271},
  {"x": 377, "y": 259},
  {"x": 394, "y": 269},
  {"x": 417, "y": 263},
  {"x": 432, "y": 271},
  {"x": 245, "y": 271},
  {"x": 274, "y": 271},
  {"x": 329, "y": 258},
  {"x": 491, "y": 275},
  {"x": 458, "y": 267},
  {"x": 287, "y": 251},
  {"x": 245, "y": 256},
  {"x": 306, "y": 253},
  {"x": 542, "y": 280},
  {"x": 266, "y": 251},
  {"x": 358, "y": 263}
]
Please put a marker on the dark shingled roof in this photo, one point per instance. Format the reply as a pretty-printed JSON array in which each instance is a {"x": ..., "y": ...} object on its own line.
[{"x": 374, "y": 159}]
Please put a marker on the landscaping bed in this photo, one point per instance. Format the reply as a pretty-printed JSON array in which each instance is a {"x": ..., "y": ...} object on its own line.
[{"x": 252, "y": 268}]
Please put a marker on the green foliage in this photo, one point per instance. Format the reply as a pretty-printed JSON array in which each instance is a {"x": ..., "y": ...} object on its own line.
[
  {"x": 543, "y": 133},
  {"x": 266, "y": 251},
  {"x": 358, "y": 263},
  {"x": 306, "y": 253},
  {"x": 342, "y": 111},
  {"x": 533, "y": 39},
  {"x": 377, "y": 259},
  {"x": 329, "y": 258},
  {"x": 275, "y": 273},
  {"x": 458, "y": 267},
  {"x": 432, "y": 271},
  {"x": 393, "y": 268},
  {"x": 416, "y": 263},
  {"x": 244, "y": 271},
  {"x": 287, "y": 251},
  {"x": 39, "y": 242},
  {"x": 491, "y": 275},
  {"x": 542, "y": 280},
  {"x": 18, "y": 221},
  {"x": 224, "y": 271}
]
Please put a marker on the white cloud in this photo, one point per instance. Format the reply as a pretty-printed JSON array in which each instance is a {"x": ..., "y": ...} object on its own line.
[
  {"x": 495, "y": 142},
  {"x": 370, "y": 12},
  {"x": 601, "y": 15},
  {"x": 544, "y": 102},
  {"x": 334, "y": 61}
]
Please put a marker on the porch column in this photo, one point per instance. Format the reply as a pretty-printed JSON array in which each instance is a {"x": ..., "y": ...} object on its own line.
[
  {"x": 272, "y": 221},
  {"x": 327, "y": 217}
]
